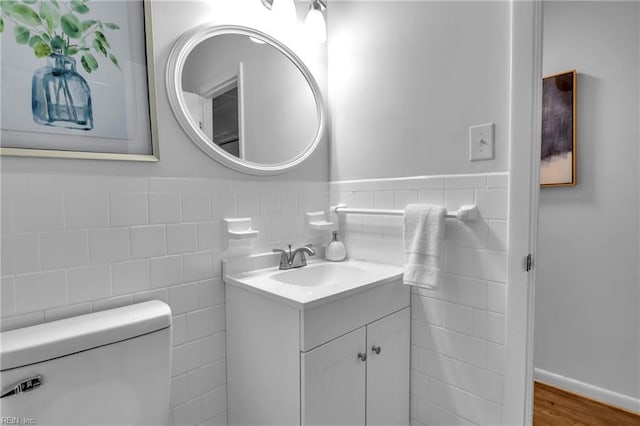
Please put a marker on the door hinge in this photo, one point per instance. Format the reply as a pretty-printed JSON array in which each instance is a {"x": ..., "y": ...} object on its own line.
[{"x": 528, "y": 262}]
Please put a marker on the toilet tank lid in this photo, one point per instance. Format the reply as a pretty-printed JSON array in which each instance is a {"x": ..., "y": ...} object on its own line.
[{"x": 54, "y": 339}]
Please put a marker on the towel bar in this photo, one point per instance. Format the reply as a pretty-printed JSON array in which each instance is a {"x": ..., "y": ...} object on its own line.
[{"x": 464, "y": 213}]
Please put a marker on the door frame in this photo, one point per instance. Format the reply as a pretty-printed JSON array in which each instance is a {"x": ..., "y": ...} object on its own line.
[{"x": 524, "y": 189}]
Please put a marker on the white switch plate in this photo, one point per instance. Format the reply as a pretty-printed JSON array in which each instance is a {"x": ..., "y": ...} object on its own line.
[{"x": 481, "y": 142}]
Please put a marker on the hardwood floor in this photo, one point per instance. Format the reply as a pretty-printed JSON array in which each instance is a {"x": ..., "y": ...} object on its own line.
[{"x": 556, "y": 407}]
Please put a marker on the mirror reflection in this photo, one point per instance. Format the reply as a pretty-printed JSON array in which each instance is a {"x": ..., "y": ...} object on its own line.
[{"x": 249, "y": 99}]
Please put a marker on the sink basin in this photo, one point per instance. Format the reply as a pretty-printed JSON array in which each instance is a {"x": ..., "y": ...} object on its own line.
[
  {"x": 318, "y": 282},
  {"x": 319, "y": 274}
]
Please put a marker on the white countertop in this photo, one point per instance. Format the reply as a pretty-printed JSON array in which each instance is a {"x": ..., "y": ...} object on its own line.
[{"x": 319, "y": 282}]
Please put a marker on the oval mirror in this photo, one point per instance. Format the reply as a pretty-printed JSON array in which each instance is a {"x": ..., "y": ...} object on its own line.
[{"x": 244, "y": 98}]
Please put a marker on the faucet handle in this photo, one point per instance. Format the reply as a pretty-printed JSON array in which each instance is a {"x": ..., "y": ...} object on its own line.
[{"x": 284, "y": 258}]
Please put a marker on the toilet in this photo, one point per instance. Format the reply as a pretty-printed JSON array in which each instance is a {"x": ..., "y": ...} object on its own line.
[{"x": 105, "y": 368}]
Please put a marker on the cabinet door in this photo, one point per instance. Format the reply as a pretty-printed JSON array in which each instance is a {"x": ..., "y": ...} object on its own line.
[
  {"x": 333, "y": 377},
  {"x": 388, "y": 370}
]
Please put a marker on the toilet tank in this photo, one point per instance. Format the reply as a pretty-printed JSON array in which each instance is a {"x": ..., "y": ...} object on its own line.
[{"x": 104, "y": 368}]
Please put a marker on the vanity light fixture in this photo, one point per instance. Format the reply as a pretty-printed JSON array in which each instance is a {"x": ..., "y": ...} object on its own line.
[{"x": 314, "y": 23}]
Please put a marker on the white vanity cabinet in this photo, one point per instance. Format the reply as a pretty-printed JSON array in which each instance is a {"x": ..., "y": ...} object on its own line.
[
  {"x": 361, "y": 377},
  {"x": 339, "y": 362}
]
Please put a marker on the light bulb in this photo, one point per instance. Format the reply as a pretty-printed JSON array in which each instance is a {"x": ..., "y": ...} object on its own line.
[
  {"x": 315, "y": 25},
  {"x": 284, "y": 11}
]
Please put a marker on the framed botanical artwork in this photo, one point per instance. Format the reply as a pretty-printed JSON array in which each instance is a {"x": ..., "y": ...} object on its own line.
[
  {"x": 558, "y": 156},
  {"x": 77, "y": 80}
]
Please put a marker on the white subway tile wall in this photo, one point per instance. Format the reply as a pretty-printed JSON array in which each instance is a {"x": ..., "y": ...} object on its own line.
[
  {"x": 457, "y": 330},
  {"x": 75, "y": 244}
]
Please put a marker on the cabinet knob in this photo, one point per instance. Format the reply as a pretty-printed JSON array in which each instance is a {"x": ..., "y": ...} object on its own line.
[
  {"x": 362, "y": 356},
  {"x": 376, "y": 349}
]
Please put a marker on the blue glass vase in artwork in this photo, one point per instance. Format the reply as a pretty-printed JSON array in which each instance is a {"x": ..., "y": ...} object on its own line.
[{"x": 60, "y": 96}]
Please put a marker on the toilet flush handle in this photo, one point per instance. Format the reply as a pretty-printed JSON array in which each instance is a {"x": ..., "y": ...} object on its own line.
[{"x": 26, "y": 385}]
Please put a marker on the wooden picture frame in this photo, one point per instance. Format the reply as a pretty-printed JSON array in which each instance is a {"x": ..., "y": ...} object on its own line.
[
  {"x": 558, "y": 146},
  {"x": 112, "y": 115}
]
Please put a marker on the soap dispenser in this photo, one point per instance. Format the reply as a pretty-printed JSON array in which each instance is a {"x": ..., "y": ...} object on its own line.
[{"x": 336, "y": 251}]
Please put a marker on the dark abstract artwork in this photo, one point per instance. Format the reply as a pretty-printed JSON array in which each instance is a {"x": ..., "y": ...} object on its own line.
[{"x": 558, "y": 159}]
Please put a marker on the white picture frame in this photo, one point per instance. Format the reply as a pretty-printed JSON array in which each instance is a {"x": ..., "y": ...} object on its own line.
[{"x": 123, "y": 91}]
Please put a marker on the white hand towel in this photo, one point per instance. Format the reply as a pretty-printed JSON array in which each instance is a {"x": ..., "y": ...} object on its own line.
[{"x": 423, "y": 233}]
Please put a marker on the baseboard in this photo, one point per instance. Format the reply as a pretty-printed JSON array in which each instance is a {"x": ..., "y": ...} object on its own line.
[{"x": 590, "y": 391}]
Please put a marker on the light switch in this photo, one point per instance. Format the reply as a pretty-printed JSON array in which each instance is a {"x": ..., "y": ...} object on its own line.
[{"x": 481, "y": 142}]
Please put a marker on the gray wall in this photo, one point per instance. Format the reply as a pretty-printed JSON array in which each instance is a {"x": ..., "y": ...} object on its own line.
[
  {"x": 587, "y": 298},
  {"x": 407, "y": 79}
]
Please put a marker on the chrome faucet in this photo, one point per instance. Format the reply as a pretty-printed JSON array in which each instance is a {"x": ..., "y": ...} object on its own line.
[{"x": 289, "y": 260}]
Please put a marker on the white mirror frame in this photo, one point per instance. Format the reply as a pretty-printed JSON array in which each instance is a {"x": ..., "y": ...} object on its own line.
[{"x": 175, "y": 66}]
